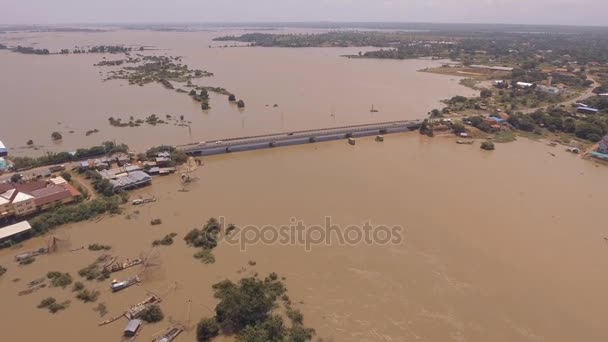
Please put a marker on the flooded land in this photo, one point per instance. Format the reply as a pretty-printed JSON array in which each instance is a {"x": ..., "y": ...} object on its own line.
[
  {"x": 46, "y": 93},
  {"x": 503, "y": 246}
]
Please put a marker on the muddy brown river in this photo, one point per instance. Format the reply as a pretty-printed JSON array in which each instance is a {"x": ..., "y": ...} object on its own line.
[{"x": 496, "y": 246}]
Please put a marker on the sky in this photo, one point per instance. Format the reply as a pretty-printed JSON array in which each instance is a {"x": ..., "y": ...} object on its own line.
[{"x": 560, "y": 12}]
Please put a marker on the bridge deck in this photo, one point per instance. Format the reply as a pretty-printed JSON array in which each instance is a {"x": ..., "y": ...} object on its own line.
[{"x": 297, "y": 137}]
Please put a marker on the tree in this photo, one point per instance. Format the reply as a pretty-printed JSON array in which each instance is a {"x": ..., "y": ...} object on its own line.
[
  {"x": 152, "y": 314},
  {"x": 587, "y": 130},
  {"x": 56, "y": 136},
  {"x": 485, "y": 93},
  {"x": 66, "y": 175},
  {"x": 487, "y": 145},
  {"x": 458, "y": 128},
  {"x": 16, "y": 178},
  {"x": 231, "y": 98},
  {"x": 435, "y": 113},
  {"x": 240, "y": 104},
  {"x": 205, "y": 105},
  {"x": 207, "y": 329},
  {"x": 30, "y": 142}
]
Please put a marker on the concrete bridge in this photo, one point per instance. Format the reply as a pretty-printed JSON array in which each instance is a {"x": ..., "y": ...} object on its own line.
[{"x": 297, "y": 137}]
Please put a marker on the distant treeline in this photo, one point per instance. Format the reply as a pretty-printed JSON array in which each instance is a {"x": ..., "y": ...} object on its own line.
[
  {"x": 64, "y": 157},
  {"x": 479, "y": 47},
  {"x": 94, "y": 49}
]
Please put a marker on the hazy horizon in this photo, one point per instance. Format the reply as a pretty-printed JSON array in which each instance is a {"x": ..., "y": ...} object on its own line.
[{"x": 532, "y": 12}]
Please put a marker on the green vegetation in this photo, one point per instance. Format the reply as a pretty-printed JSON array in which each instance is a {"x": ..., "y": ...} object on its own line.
[
  {"x": 65, "y": 157},
  {"x": 94, "y": 271},
  {"x": 247, "y": 310},
  {"x": 56, "y": 136},
  {"x": 99, "y": 247},
  {"x": 59, "y": 279},
  {"x": 205, "y": 256},
  {"x": 162, "y": 69},
  {"x": 504, "y": 136},
  {"x": 75, "y": 213},
  {"x": 51, "y": 304},
  {"x": 101, "y": 309},
  {"x": 77, "y": 286},
  {"x": 471, "y": 46},
  {"x": 88, "y": 296},
  {"x": 152, "y": 314},
  {"x": 46, "y": 302},
  {"x": 487, "y": 145},
  {"x": 91, "y": 131},
  {"x": 207, "y": 329},
  {"x": 166, "y": 241},
  {"x": 31, "y": 50},
  {"x": 156, "y": 222}
]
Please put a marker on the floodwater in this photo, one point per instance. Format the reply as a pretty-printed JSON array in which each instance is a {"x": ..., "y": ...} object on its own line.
[
  {"x": 42, "y": 94},
  {"x": 498, "y": 246},
  {"x": 502, "y": 246}
]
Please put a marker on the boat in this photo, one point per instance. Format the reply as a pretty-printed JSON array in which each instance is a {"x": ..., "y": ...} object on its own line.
[
  {"x": 121, "y": 285},
  {"x": 170, "y": 334},
  {"x": 463, "y": 142},
  {"x": 31, "y": 254},
  {"x": 139, "y": 201},
  {"x": 32, "y": 289},
  {"x": 124, "y": 265},
  {"x": 110, "y": 320},
  {"x": 136, "y": 310}
]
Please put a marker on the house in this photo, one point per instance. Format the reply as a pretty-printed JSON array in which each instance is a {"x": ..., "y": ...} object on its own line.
[
  {"x": 3, "y": 150},
  {"x": 163, "y": 161},
  {"x": 15, "y": 230},
  {"x": 587, "y": 110},
  {"x": 24, "y": 199},
  {"x": 524, "y": 84},
  {"x": 549, "y": 89},
  {"x": 84, "y": 166},
  {"x": 132, "y": 328},
  {"x": 131, "y": 180},
  {"x": 121, "y": 159}
]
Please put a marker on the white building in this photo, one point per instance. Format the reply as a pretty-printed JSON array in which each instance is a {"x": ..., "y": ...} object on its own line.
[{"x": 524, "y": 84}]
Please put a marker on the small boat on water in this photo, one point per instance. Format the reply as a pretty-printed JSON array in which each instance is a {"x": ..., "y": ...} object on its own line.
[
  {"x": 121, "y": 285},
  {"x": 139, "y": 201},
  {"x": 136, "y": 310},
  {"x": 465, "y": 142},
  {"x": 124, "y": 265},
  {"x": 170, "y": 334}
]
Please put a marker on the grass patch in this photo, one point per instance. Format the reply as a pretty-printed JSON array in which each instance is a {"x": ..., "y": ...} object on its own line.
[{"x": 504, "y": 137}]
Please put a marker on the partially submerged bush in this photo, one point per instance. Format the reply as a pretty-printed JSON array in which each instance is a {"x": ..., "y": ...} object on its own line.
[
  {"x": 152, "y": 314},
  {"x": 59, "y": 279},
  {"x": 487, "y": 145},
  {"x": 99, "y": 247},
  {"x": 88, "y": 296}
]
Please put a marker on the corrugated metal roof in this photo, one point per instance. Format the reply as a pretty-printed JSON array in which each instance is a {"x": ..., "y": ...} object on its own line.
[{"x": 14, "y": 229}]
